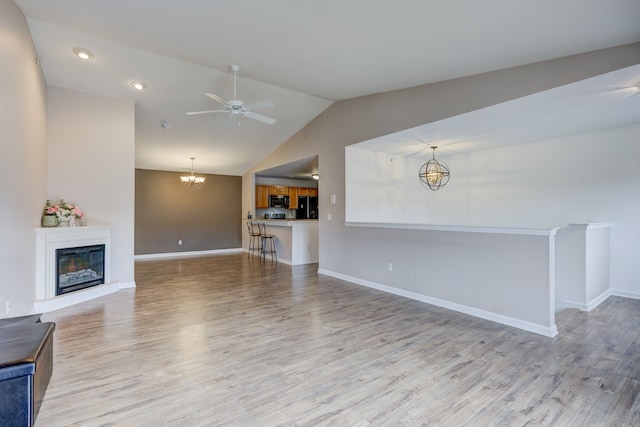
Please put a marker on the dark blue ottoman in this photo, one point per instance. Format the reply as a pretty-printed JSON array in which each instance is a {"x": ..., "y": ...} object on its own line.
[{"x": 26, "y": 364}]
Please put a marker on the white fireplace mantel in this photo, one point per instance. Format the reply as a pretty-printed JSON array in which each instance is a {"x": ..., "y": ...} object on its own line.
[{"x": 50, "y": 239}]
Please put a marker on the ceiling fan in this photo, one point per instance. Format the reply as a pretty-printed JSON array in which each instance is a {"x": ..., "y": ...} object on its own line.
[{"x": 235, "y": 107}]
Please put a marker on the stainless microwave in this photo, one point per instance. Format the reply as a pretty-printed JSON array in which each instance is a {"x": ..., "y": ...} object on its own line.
[{"x": 279, "y": 202}]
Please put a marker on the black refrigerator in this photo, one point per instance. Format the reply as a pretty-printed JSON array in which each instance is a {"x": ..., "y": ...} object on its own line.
[{"x": 307, "y": 207}]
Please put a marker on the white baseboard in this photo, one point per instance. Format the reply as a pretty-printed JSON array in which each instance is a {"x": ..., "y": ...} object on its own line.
[
  {"x": 625, "y": 294},
  {"x": 146, "y": 257},
  {"x": 548, "y": 331},
  {"x": 599, "y": 299},
  {"x": 62, "y": 301},
  {"x": 590, "y": 305},
  {"x": 126, "y": 285},
  {"x": 565, "y": 303}
]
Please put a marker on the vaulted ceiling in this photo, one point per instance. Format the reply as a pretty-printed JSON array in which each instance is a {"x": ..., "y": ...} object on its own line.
[{"x": 302, "y": 55}]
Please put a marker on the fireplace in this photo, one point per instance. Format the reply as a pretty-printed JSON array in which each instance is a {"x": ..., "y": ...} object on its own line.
[
  {"x": 54, "y": 241},
  {"x": 79, "y": 268}
]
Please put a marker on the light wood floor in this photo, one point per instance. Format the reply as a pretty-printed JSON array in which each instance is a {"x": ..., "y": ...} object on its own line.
[{"x": 225, "y": 340}]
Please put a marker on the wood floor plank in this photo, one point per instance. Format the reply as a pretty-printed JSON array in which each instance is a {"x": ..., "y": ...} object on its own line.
[{"x": 228, "y": 340}]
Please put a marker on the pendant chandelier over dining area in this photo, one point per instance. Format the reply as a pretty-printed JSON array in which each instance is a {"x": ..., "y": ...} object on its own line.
[
  {"x": 191, "y": 180},
  {"x": 434, "y": 174}
]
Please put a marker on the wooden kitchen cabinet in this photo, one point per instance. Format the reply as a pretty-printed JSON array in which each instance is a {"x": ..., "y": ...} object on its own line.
[
  {"x": 278, "y": 190},
  {"x": 262, "y": 196},
  {"x": 264, "y": 191},
  {"x": 307, "y": 192},
  {"x": 294, "y": 192}
]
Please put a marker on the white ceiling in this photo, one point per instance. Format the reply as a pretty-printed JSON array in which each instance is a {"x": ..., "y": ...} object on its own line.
[{"x": 302, "y": 55}]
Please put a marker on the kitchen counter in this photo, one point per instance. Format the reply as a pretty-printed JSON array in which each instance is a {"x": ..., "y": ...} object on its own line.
[
  {"x": 285, "y": 222},
  {"x": 296, "y": 239}
]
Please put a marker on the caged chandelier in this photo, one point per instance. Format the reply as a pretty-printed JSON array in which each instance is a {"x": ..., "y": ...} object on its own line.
[
  {"x": 191, "y": 180},
  {"x": 434, "y": 174}
]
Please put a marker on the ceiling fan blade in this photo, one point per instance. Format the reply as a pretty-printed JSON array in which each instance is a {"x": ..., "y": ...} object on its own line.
[
  {"x": 258, "y": 105},
  {"x": 206, "y": 112},
  {"x": 217, "y": 98},
  {"x": 260, "y": 117}
]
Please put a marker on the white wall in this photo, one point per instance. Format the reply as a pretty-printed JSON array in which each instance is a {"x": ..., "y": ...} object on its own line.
[
  {"x": 578, "y": 179},
  {"x": 384, "y": 188},
  {"x": 583, "y": 260},
  {"x": 598, "y": 257},
  {"x": 23, "y": 161},
  {"x": 91, "y": 164},
  {"x": 571, "y": 271}
]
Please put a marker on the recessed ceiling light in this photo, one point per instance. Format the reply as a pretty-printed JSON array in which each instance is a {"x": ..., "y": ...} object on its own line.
[
  {"x": 138, "y": 85},
  {"x": 83, "y": 53}
]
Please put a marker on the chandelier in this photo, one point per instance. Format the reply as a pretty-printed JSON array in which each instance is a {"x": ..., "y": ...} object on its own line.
[
  {"x": 191, "y": 180},
  {"x": 434, "y": 174}
]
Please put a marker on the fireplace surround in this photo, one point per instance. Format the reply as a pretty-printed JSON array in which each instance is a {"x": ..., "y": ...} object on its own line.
[{"x": 50, "y": 242}]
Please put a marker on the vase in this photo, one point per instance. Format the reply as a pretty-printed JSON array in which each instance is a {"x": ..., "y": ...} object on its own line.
[
  {"x": 63, "y": 223},
  {"x": 49, "y": 221}
]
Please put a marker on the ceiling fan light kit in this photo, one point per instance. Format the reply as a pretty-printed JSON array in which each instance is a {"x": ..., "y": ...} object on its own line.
[{"x": 234, "y": 107}]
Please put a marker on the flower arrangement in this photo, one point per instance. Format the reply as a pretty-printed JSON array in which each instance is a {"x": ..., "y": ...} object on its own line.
[{"x": 64, "y": 211}]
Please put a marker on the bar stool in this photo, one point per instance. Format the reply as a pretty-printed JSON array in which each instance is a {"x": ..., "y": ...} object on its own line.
[
  {"x": 255, "y": 238},
  {"x": 268, "y": 242}
]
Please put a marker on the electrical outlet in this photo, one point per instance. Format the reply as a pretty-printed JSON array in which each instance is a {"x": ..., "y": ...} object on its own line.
[
  {"x": 329, "y": 217},
  {"x": 389, "y": 266},
  {"x": 7, "y": 307},
  {"x": 180, "y": 242}
]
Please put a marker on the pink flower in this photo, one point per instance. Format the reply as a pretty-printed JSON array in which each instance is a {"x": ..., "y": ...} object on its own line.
[{"x": 63, "y": 210}]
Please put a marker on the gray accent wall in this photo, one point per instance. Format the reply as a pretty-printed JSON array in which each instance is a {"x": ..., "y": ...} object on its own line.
[{"x": 206, "y": 218}]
